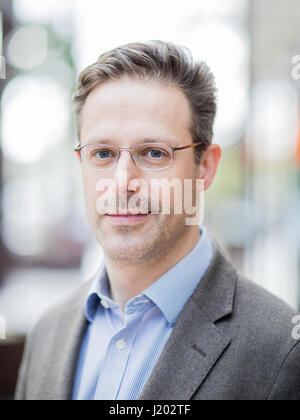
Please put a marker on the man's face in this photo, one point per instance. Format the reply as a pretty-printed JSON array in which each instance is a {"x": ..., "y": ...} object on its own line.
[{"x": 125, "y": 113}]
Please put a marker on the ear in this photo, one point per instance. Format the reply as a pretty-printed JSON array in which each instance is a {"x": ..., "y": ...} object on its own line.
[{"x": 209, "y": 164}]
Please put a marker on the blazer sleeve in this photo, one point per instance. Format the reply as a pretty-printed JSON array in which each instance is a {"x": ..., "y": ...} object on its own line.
[{"x": 287, "y": 383}]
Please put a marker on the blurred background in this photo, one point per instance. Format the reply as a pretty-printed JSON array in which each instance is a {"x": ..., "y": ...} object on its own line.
[{"x": 46, "y": 245}]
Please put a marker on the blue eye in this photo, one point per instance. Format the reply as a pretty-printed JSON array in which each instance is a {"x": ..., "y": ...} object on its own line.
[
  {"x": 155, "y": 153},
  {"x": 103, "y": 154}
]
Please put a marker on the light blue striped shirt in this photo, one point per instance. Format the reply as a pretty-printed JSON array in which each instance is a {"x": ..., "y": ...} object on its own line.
[{"x": 119, "y": 350}]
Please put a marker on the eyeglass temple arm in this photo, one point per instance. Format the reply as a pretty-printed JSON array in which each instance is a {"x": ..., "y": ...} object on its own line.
[
  {"x": 77, "y": 150},
  {"x": 200, "y": 143}
]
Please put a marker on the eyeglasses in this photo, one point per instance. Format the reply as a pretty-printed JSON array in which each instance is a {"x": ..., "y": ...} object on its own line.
[{"x": 149, "y": 156}]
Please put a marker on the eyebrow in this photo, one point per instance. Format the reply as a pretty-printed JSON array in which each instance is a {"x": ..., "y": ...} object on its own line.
[{"x": 170, "y": 140}]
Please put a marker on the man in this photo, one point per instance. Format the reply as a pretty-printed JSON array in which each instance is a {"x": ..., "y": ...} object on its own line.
[{"x": 167, "y": 316}]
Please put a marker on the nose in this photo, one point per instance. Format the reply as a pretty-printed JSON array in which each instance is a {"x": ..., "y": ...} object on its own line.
[{"x": 125, "y": 171}]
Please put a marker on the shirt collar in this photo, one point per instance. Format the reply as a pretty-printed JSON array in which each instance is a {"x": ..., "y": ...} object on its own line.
[
  {"x": 171, "y": 291},
  {"x": 99, "y": 290}
]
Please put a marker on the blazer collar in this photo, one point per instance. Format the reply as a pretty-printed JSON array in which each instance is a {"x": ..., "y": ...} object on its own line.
[{"x": 215, "y": 293}]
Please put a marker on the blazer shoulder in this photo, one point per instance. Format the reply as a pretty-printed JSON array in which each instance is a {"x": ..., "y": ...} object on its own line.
[
  {"x": 264, "y": 315},
  {"x": 47, "y": 341},
  {"x": 249, "y": 294}
]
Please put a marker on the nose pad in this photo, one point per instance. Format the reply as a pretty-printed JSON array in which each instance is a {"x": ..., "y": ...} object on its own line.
[{"x": 132, "y": 158}]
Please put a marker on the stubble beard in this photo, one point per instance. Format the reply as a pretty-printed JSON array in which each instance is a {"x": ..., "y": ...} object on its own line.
[{"x": 132, "y": 245}]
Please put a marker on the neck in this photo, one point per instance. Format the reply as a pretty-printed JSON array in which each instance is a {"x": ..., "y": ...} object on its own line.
[{"x": 127, "y": 281}]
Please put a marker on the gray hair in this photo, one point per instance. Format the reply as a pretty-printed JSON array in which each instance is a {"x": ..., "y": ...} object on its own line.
[{"x": 161, "y": 61}]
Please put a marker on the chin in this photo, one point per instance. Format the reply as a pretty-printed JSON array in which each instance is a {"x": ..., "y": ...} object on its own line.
[
  {"x": 124, "y": 248},
  {"x": 129, "y": 255}
]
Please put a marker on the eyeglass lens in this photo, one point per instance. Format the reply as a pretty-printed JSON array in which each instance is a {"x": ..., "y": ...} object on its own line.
[{"x": 147, "y": 156}]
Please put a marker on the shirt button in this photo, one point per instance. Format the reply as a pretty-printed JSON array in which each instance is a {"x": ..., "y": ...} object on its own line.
[
  {"x": 120, "y": 344},
  {"x": 105, "y": 304}
]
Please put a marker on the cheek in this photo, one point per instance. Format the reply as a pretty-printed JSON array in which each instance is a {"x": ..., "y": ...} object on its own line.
[
  {"x": 89, "y": 185},
  {"x": 183, "y": 169},
  {"x": 185, "y": 189}
]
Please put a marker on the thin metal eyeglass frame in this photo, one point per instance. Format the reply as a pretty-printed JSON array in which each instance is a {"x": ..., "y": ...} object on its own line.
[{"x": 78, "y": 149}]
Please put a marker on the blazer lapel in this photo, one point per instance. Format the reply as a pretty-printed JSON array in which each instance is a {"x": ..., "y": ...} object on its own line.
[
  {"x": 196, "y": 343},
  {"x": 69, "y": 355},
  {"x": 61, "y": 367}
]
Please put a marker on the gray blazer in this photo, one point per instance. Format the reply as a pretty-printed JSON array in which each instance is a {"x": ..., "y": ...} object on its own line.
[{"x": 232, "y": 341}]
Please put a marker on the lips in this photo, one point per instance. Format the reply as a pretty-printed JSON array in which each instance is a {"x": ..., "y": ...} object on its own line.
[
  {"x": 128, "y": 218},
  {"x": 127, "y": 214}
]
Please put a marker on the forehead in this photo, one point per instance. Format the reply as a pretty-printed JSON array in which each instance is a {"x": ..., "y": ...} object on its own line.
[{"x": 127, "y": 110}]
